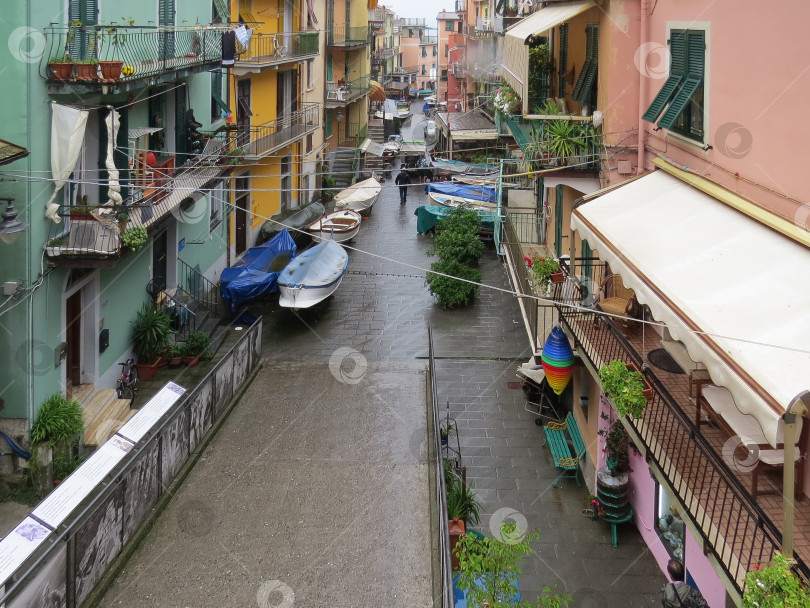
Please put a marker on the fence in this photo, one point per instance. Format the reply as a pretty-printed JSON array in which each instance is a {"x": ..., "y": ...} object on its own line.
[
  {"x": 446, "y": 568},
  {"x": 259, "y": 140},
  {"x": 70, "y": 558},
  {"x": 340, "y": 35}
]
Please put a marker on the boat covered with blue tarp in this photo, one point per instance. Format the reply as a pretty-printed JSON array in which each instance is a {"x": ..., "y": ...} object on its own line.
[
  {"x": 256, "y": 273},
  {"x": 464, "y": 191}
]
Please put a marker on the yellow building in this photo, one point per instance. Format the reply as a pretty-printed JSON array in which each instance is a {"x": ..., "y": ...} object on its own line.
[
  {"x": 276, "y": 99},
  {"x": 348, "y": 69}
]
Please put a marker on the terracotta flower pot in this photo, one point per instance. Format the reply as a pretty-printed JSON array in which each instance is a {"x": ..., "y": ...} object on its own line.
[
  {"x": 87, "y": 71},
  {"x": 175, "y": 362},
  {"x": 557, "y": 277},
  {"x": 146, "y": 371},
  {"x": 193, "y": 361},
  {"x": 110, "y": 70},
  {"x": 61, "y": 71}
]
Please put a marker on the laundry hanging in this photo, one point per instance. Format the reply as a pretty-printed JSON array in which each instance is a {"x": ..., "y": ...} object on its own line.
[
  {"x": 228, "y": 48},
  {"x": 68, "y": 125}
]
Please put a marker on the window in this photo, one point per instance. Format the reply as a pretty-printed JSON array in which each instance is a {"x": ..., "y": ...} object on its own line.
[
  {"x": 424, "y": 70},
  {"x": 444, "y": 76},
  {"x": 309, "y": 143},
  {"x": 217, "y": 197},
  {"x": 424, "y": 51},
  {"x": 449, "y": 26},
  {"x": 446, "y": 50},
  {"x": 679, "y": 104},
  {"x": 310, "y": 74},
  {"x": 435, "y": 52},
  {"x": 218, "y": 105},
  {"x": 669, "y": 524},
  {"x": 585, "y": 88}
]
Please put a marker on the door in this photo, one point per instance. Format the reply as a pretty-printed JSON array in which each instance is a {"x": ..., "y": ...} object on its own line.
[
  {"x": 243, "y": 112},
  {"x": 160, "y": 267},
  {"x": 73, "y": 341},
  {"x": 242, "y": 215}
]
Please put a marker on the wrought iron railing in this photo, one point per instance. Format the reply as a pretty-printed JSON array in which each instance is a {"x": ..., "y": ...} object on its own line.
[
  {"x": 342, "y": 93},
  {"x": 194, "y": 285},
  {"x": 257, "y": 141},
  {"x": 92, "y": 233},
  {"x": 734, "y": 527},
  {"x": 281, "y": 47},
  {"x": 548, "y": 145},
  {"x": 128, "y": 52},
  {"x": 340, "y": 35}
]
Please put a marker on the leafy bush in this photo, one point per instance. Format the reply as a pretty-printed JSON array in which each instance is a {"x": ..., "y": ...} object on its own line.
[
  {"x": 774, "y": 586},
  {"x": 197, "y": 343},
  {"x": 449, "y": 291},
  {"x": 465, "y": 247},
  {"x": 58, "y": 422},
  {"x": 134, "y": 238},
  {"x": 460, "y": 220},
  {"x": 150, "y": 333},
  {"x": 625, "y": 387}
]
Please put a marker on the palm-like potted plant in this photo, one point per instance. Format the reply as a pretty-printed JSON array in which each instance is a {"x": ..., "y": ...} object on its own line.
[{"x": 150, "y": 337}]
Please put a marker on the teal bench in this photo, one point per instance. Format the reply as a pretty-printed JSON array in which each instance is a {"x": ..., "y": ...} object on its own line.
[{"x": 557, "y": 435}]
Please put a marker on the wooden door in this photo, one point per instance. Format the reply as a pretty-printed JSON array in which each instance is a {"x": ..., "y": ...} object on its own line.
[
  {"x": 73, "y": 341},
  {"x": 160, "y": 264},
  {"x": 242, "y": 215},
  {"x": 243, "y": 112}
]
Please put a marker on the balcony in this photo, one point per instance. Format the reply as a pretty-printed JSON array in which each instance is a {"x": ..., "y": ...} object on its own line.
[
  {"x": 260, "y": 140},
  {"x": 104, "y": 59},
  {"x": 273, "y": 50},
  {"x": 737, "y": 529},
  {"x": 461, "y": 6},
  {"x": 341, "y": 93},
  {"x": 341, "y": 37},
  {"x": 382, "y": 54},
  {"x": 564, "y": 141},
  {"x": 406, "y": 70},
  {"x": 414, "y": 22}
]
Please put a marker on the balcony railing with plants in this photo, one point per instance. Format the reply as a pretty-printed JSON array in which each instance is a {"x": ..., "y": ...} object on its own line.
[
  {"x": 275, "y": 49},
  {"x": 411, "y": 69},
  {"x": 734, "y": 527},
  {"x": 257, "y": 141},
  {"x": 340, "y": 35},
  {"x": 342, "y": 92},
  {"x": 97, "y": 54}
]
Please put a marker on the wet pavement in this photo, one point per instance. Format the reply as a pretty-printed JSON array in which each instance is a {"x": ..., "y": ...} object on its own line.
[{"x": 315, "y": 491}]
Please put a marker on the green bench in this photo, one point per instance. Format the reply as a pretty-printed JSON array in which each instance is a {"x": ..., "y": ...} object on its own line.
[{"x": 566, "y": 461}]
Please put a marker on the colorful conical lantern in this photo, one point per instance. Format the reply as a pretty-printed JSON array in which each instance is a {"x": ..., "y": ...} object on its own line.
[{"x": 558, "y": 360}]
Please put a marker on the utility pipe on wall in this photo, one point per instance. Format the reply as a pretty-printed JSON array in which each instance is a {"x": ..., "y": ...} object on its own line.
[{"x": 640, "y": 162}]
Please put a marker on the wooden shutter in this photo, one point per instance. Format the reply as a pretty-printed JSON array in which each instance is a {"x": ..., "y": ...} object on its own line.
[
  {"x": 329, "y": 75},
  {"x": 563, "y": 63},
  {"x": 677, "y": 74},
  {"x": 583, "y": 90},
  {"x": 180, "y": 126},
  {"x": 694, "y": 43},
  {"x": 84, "y": 40}
]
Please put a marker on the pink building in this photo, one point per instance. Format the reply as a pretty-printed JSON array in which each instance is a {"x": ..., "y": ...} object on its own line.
[
  {"x": 450, "y": 89},
  {"x": 695, "y": 250}
]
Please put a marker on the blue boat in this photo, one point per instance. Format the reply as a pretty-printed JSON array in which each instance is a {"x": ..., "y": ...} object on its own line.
[
  {"x": 313, "y": 276},
  {"x": 257, "y": 272}
]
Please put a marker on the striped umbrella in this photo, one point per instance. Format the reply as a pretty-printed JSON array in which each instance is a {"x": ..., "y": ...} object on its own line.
[{"x": 558, "y": 360}]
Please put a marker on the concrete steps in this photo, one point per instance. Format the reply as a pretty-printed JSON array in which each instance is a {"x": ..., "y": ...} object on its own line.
[
  {"x": 103, "y": 415},
  {"x": 341, "y": 167},
  {"x": 376, "y": 133}
]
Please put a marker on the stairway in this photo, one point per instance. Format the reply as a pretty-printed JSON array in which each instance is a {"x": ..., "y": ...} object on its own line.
[
  {"x": 341, "y": 167},
  {"x": 103, "y": 415},
  {"x": 376, "y": 133}
]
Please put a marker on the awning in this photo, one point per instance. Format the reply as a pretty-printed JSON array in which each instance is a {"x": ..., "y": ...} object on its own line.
[
  {"x": 377, "y": 92},
  {"x": 10, "y": 152},
  {"x": 515, "y": 59},
  {"x": 732, "y": 290}
]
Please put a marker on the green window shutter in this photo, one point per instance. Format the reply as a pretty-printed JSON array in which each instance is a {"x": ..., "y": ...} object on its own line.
[
  {"x": 677, "y": 74},
  {"x": 329, "y": 67},
  {"x": 563, "y": 67},
  {"x": 84, "y": 42},
  {"x": 328, "y": 124},
  {"x": 694, "y": 43},
  {"x": 216, "y": 95},
  {"x": 222, "y": 10},
  {"x": 180, "y": 126},
  {"x": 583, "y": 90},
  {"x": 121, "y": 154}
]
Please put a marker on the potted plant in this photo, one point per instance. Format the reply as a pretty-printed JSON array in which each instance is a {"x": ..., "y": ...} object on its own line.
[
  {"x": 87, "y": 69},
  {"x": 543, "y": 268},
  {"x": 111, "y": 69},
  {"x": 61, "y": 67},
  {"x": 134, "y": 238},
  {"x": 82, "y": 211},
  {"x": 122, "y": 217},
  {"x": 445, "y": 431},
  {"x": 150, "y": 337},
  {"x": 561, "y": 139},
  {"x": 626, "y": 387},
  {"x": 595, "y": 507},
  {"x": 53, "y": 247},
  {"x": 56, "y": 429},
  {"x": 617, "y": 442},
  {"x": 197, "y": 344},
  {"x": 177, "y": 353},
  {"x": 774, "y": 586},
  {"x": 234, "y": 157}
]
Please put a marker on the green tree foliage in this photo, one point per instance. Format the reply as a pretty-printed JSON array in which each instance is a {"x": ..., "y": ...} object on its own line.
[
  {"x": 458, "y": 248},
  {"x": 449, "y": 291}
]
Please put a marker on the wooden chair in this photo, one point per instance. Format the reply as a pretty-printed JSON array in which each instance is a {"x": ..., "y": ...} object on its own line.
[
  {"x": 769, "y": 458},
  {"x": 616, "y": 299}
]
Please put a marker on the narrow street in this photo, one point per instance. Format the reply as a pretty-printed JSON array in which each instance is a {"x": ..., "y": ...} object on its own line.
[{"x": 315, "y": 491}]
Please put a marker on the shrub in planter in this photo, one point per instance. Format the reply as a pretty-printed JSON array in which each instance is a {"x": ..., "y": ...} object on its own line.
[
  {"x": 448, "y": 291},
  {"x": 774, "y": 586},
  {"x": 58, "y": 422},
  {"x": 150, "y": 337},
  {"x": 134, "y": 238},
  {"x": 625, "y": 386},
  {"x": 461, "y": 501}
]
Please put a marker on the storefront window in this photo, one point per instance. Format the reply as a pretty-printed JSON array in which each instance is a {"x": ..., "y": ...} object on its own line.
[{"x": 670, "y": 526}]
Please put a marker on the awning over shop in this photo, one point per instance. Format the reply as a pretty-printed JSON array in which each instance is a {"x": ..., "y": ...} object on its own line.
[
  {"x": 397, "y": 87},
  {"x": 515, "y": 59},
  {"x": 377, "y": 92},
  {"x": 732, "y": 290},
  {"x": 467, "y": 126}
]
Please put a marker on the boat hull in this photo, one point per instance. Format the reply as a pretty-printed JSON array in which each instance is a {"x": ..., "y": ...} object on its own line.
[
  {"x": 360, "y": 197},
  {"x": 457, "y": 201},
  {"x": 338, "y": 226},
  {"x": 313, "y": 276}
]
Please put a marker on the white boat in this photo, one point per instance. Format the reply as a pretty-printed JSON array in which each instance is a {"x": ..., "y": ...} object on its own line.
[
  {"x": 403, "y": 110},
  {"x": 458, "y": 201},
  {"x": 313, "y": 276},
  {"x": 360, "y": 197},
  {"x": 338, "y": 226}
]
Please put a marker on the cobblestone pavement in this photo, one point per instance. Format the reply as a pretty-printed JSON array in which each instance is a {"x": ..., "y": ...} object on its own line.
[{"x": 316, "y": 488}]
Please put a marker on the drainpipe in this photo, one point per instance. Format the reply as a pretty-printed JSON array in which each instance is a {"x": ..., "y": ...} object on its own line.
[
  {"x": 798, "y": 407},
  {"x": 640, "y": 161}
]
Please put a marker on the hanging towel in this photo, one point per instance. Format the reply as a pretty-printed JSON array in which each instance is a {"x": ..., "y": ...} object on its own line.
[
  {"x": 311, "y": 9},
  {"x": 243, "y": 35},
  {"x": 228, "y": 48}
]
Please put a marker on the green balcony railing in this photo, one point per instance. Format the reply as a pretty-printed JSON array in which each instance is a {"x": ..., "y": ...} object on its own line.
[
  {"x": 340, "y": 35},
  {"x": 341, "y": 93}
]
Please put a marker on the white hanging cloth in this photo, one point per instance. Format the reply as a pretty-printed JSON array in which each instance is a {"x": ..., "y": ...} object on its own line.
[
  {"x": 68, "y": 125},
  {"x": 113, "y": 123}
]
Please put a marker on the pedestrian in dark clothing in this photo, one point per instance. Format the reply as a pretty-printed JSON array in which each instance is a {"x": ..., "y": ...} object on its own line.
[
  {"x": 678, "y": 594},
  {"x": 403, "y": 179}
]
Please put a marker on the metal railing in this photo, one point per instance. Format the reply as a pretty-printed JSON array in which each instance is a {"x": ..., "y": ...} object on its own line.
[
  {"x": 338, "y": 94},
  {"x": 461, "y": 6},
  {"x": 734, "y": 527},
  {"x": 437, "y": 463},
  {"x": 540, "y": 143},
  {"x": 281, "y": 47},
  {"x": 259, "y": 140},
  {"x": 193, "y": 284},
  {"x": 410, "y": 69},
  {"x": 407, "y": 22},
  {"x": 138, "y": 51},
  {"x": 83, "y": 235},
  {"x": 340, "y": 35}
]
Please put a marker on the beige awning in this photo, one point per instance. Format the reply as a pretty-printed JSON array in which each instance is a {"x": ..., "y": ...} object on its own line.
[
  {"x": 515, "y": 59},
  {"x": 731, "y": 289}
]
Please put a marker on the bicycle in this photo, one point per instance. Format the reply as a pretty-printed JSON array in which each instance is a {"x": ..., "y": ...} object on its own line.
[{"x": 127, "y": 383}]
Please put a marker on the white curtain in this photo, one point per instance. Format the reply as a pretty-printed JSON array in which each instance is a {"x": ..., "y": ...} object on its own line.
[
  {"x": 67, "y": 134},
  {"x": 113, "y": 122}
]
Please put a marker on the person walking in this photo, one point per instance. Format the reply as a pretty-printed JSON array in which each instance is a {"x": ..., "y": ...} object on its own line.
[
  {"x": 678, "y": 594},
  {"x": 403, "y": 179}
]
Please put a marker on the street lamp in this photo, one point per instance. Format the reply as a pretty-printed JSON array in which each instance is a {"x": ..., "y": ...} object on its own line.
[{"x": 10, "y": 227}]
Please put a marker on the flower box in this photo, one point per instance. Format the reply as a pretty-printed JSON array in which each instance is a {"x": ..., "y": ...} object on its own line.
[{"x": 647, "y": 388}]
